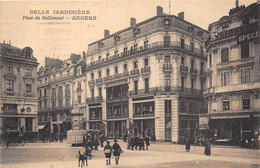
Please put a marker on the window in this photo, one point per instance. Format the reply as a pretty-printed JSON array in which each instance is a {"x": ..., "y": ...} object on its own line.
[
  {"x": 92, "y": 75},
  {"x": 136, "y": 86},
  {"x": 100, "y": 92},
  {"x": 135, "y": 65},
  {"x": 182, "y": 60},
  {"x": 79, "y": 86},
  {"x": 224, "y": 55},
  {"x": 27, "y": 54},
  {"x": 192, "y": 83},
  {"x": 45, "y": 103},
  {"x": 125, "y": 50},
  {"x": 28, "y": 72},
  {"x": 191, "y": 46},
  {"x": 182, "y": 43},
  {"x": 99, "y": 74},
  {"x": 245, "y": 75},
  {"x": 125, "y": 67},
  {"x": 40, "y": 93},
  {"x": 210, "y": 81},
  {"x": 201, "y": 66},
  {"x": 226, "y": 105},
  {"x": 92, "y": 93},
  {"x": 192, "y": 64},
  {"x": 201, "y": 49},
  {"x": 60, "y": 102},
  {"x": 202, "y": 83},
  {"x": 46, "y": 80},
  {"x": 167, "y": 83},
  {"x": 10, "y": 70},
  {"x": 107, "y": 72},
  {"x": 182, "y": 83},
  {"x": 145, "y": 62},
  {"x": 225, "y": 79},
  {"x": 99, "y": 58},
  {"x": 167, "y": 40},
  {"x": 146, "y": 85},
  {"x": 210, "y": 59},
  {"x": 246, "y": 103},
  {"x": 28, "y": 88},
  {"x": 45, "y": 92},
  {"x": 146, "y": 45},
  {"x": 79, "y": 99},
  {"x": 116, "y": 70},
  {"x": 167, "y": 59},
  {"x": 53, "y": 103},
  {"x": 244, "y": 50},
  {"x": 107, "y": 56}
]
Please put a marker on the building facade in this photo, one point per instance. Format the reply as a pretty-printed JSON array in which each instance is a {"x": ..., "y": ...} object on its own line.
[
  {"x": 61, "y": 93},
  {"x": 18, "y": 90},
  {"x": 149, "y": 76},
  {"x": 233, "y": 93}
]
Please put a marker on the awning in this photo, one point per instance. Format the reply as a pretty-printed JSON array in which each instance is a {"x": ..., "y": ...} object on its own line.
[
  {"x": 41, "y": 126},
  {"x": 230, "y": 117}
]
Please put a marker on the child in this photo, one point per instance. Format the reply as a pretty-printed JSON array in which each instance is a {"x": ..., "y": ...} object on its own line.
[{"x": 107, "y": 151}]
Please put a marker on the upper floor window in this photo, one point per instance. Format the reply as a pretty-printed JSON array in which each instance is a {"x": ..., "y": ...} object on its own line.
[
  {"x": 245, "y": 75},
  {"x": 167, "y": 59},
  {"x": 146, "y": 62},
  {"x": 10, "y": 70},
  {"x": 116, "y": 52},
  {"x": 192, "y": 83},
  {"x": 182, "y": 82},
  {"x": 28, "y": 88},
  {"x": 79, "y": 99},
  {"x": 100, "y": 92},
  {"x": 135, "y": 65},
  {"x": 202, "y": 83},
  {"x": 182, "y": 43},
  {"x": 79, "y": 85},
  {"x": 244, "y": 50},
  {"x": 136, "y": 86},
  {"x": 45, "y": 92},
  {"x": 192, "y": 63},
  {"x": 146, "y": 85},
  {"x": 107, "y": 55},
  {"x": 246, "y": 103},
  {"x": 125, "y": 67},
  {"x": 92, "y": 93},
  {"x": 28, "y": 72},
  {"x": 99, "y": 74},
  {"x": 146, "y": 44},
  {"x": 201, "y": 49},
  {"x": 226, "y": 105},
  {"x": 9, "y": 85},
  {"x": 192, "y": 46},
  {"x": 182, "y": 60},
  {"x": 210, "y": 59},
  {"x": 40, "y": 93},
  {"x": 125, "y": 50},
  {"x": 92, "y": 75},
  {"x": 167, "y": 40},
  {"x": 27, "y": 54},
  {"x": 224, "y": 55},
  {"x": 79, "y": 71},
  {"x": 210, "y": 81},
  {"x": 201, "y": 66},
  {"x": 99, "y": 58},
  {"x": 225, "y": 79},
  {"x": 116, "y": 70},
  {"x": 108, "y": 72},
  {"x": 46, "y": 80}
]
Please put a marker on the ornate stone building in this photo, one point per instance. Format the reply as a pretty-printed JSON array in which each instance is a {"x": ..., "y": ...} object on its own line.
[
  {"x": 149, "y": 76},
  {"x": 233, "y": 75},
  {"x": 61, "y": 91},
  {"x": 18, "y": 90}
]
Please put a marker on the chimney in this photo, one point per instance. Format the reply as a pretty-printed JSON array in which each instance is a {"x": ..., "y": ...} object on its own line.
[
  {"x": 106, "y": 33},
  {"x": 132, "y": 22},
  {"x": 159, "y": 10},
  {"x": 4, "y": 42},
  {"x": 84, "y": 55},
  {"x": 181, "y": 15}
]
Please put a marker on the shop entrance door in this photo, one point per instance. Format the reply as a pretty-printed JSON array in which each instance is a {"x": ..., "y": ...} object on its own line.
[{"x": 168, "y": 119}]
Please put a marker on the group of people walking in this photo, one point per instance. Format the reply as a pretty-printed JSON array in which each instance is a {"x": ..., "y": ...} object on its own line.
[{"x": 138, "y": 142}]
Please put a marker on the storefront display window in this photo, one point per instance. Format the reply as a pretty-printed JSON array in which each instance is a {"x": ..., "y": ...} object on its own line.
[{"x": 143, "y": 109}]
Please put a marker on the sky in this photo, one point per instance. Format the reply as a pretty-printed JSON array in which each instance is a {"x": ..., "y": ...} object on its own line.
[{"x": 60, "y": 38}]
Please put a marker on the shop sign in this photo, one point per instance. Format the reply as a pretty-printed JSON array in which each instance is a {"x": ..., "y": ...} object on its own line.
[{"x": 204, "y": 122}]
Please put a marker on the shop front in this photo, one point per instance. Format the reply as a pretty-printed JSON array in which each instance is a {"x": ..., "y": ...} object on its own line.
[{"x": 116, "y": 129}]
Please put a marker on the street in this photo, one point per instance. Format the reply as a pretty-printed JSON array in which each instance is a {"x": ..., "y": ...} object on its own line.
[{"x": 160, "y": 154}]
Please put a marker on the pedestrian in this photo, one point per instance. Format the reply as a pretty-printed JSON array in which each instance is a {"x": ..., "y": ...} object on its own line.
[
  {"x": 89, "y": 148},
  {"x": 147, "y": 141},
  {"x": 107, "y": 151},
  {"x": 207, "y": 151},
  {"x": 116, "y": 151},
  {"x": 61, "y": 137},
  {"x": 102, "y": 138},
  {"x": 141, "y": 143},
  {"x": 85, "y": 141},
  {"x": 96, "y": 142},
  {"x": 136, "y": 141},
  {"x": 187, "y": 144},
  {"x": 132, "y": 142}
]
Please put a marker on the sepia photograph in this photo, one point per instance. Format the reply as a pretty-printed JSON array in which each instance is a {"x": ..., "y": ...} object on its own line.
[{"x": 130, "y": 84}]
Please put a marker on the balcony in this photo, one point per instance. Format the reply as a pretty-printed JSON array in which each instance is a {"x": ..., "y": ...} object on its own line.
[
  {"x": 193, "y": 71},
  {"x": 116, "y": 76},
  {"x": 163, "y": 90},
  {"x": 117, "y": 116},
  {"x": 94, "y": 100},
  {"x": 167, "y": 67},
  {"x": 135, "y": 72},
  {"x": 148, "y": 48},
  {"x": 95, "y": 117},
  {"x": 145, "y": 70},
  {"x": 99, "y": 80},
  {"x": 91, "y": 82},
  {"x": 183, "y": 69}
]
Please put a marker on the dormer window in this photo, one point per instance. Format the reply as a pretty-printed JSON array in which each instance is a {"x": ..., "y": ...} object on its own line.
[
  {"x": 79, "y": 71},
  {"x": 10, "y": 70},
  {"x": 27, "y": 54}
]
